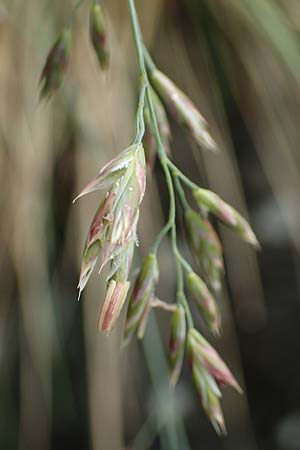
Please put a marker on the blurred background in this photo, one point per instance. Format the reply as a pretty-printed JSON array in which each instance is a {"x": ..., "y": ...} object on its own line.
[{"x": 63, "y": 385}]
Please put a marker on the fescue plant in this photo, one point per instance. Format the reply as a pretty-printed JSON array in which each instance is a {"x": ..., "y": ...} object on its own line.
[{"x": 112, "y": 236}]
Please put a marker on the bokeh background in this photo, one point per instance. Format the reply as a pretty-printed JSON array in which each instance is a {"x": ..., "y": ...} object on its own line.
[{"x": 63, "y": 385}]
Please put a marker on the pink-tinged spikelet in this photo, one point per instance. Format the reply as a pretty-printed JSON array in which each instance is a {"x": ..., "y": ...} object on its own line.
[
  {"x": 98, "y": 34},
  {"x": 176, "y": 344},
  {"x": 204, "y": 301},
  {"x": 206, "y": 247},
  {"x": 142, "y": 293},
  {"x": 56, "y": 64},
  {"x": 228, "y": 215},
  {"x": 209, "y": 374},
  {"x": 183, "y": 110},
  {"x": 115, "y": 297},
  {"x": 211, "y": 360}
]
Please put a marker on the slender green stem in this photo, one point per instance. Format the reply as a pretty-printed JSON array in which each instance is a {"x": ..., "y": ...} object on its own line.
[
  {"x": 150, "y": 64},
  {"x": 171, "y": 224},
  {"x": 180, "y": 261},
  {"x": 185, "y": 304},
  {"x": 181, "y": 193},
  {"x": 144, "y": 77},
  {"x": 142, "y": 69},
  {"x": 177, "y": 173},
  {"x": 187, "y": 267},
  {"x": 180, "y": 282},
  {"x": 138, "y": 41},
  {"x": 172, "y": 211},
  {"x": 171, "y": 434},
  {"x": 73, "y": 12},
  {"x": 163, "y": 232}
]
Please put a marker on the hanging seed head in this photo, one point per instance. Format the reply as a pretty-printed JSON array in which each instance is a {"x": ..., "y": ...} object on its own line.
[
  {"x": 206, "y": 355},
  {"x": 206, "y": 246},
  {"x": 204, "y": 301},
  {"x": 114, "y": 300},
  {"x": 98, "y": 34},
  {"x": 113, "y": 230},
  {"x": 183, "y": 110},
  {"x": 141, "y": 295},
  {"x": 56, "y": 65},
  {"x": 228, "y": 215},
  {"x": 177, "y": 344}
]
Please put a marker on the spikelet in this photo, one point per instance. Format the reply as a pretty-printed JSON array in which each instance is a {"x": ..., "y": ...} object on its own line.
[
  {"x": 56, "y": 64},
  {"x": 183, "y": 110},
  {"x": 142, "y": 293},
  {"x": 205, "y": 302},
  {"x": 98, "y": 34},
  {"x": 226, "y": 213},
  {"x": 176, "y": 344}
]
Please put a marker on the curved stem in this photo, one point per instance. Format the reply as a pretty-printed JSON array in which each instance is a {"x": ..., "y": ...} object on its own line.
[
  {"x": 137, "y": 37},
  {"x": 181, "y": 193},
  {"x": 138, "y": 41},
  {"x": 187, "y": 267},
  {"x": 73, "y": 12},
  {"x": 165, "y": 163},
  {"x": 177, "y": 173},
  {"x": 185, "y": 304},
  {"x": 163, "y": 232}
]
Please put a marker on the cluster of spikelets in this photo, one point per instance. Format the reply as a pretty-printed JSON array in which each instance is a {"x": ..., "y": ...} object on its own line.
[
  {"x": 113, "y": 232},
  {"x": 58, "y": 59}
]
